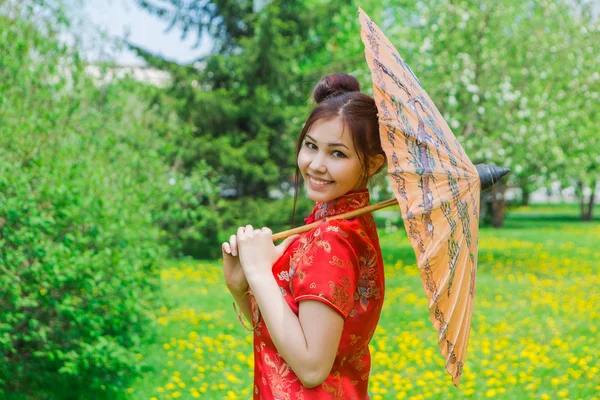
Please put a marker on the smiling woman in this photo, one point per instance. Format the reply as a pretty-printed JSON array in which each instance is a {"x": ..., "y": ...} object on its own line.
[
  {"x": 344, "y": 126},
  {"x": 328, "y": 161},
  {"x": 315, "y": 300}
]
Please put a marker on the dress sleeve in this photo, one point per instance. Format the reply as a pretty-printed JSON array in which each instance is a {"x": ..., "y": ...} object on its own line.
[{"x": 326, "y": 269}]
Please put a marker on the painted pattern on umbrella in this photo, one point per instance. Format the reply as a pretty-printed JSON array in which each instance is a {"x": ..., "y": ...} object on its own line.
[{"x": 437, "y": 188}]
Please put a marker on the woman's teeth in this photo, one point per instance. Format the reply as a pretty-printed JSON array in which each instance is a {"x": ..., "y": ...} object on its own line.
[{"x": 318, "y": 182}]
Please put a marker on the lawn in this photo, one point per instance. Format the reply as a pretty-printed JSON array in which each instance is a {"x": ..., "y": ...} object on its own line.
[{"x": 534, "y": 332}]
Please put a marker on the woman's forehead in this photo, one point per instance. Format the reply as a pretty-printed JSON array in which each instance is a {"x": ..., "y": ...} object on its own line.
[{"x": 330, "y": 131}]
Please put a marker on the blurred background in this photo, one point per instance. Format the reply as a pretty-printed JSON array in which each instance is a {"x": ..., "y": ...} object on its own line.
[{"x": 136, "y": 135}]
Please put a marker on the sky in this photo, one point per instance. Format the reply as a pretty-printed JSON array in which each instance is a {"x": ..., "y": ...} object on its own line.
[{"x": 117, "y": 17}]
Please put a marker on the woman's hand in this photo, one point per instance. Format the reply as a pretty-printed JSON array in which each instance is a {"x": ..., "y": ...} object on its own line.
[
  {"x": 258, "y": 254},
  {"x": 235, "y": 279}
]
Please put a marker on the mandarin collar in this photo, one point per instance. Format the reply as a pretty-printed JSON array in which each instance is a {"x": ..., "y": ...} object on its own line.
[{"x": 350, "y": 201}]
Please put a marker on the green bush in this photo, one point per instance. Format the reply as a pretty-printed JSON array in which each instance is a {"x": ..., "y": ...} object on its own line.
[
  {"x": 87, "y": 211},
  {"x": 275, "y": 214}
]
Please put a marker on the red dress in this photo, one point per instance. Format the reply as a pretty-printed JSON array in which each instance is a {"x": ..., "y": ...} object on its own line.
[{"x": 338, "y": 263}]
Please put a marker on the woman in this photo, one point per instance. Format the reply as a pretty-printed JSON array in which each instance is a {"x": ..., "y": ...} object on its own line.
[{"x": 316, "y": 298}]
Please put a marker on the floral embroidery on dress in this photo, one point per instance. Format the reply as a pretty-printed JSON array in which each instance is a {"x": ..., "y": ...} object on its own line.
[
  {"x": 367, "y": 282},
  {"x": 357, "y": 358},
  {"x": 354, "y": 339},
  {"x": 338, "y": 262},
  {"x": 280, "y": 377},
  {"x": 335, "y": 389},
  {"x": 305, "y": 252},
  {"x": 325, "y": 245},
  {"x": 284, "y": 276},
  {"x": 334, "y": 228},
  {"x": 342, "y": 204},
  {"x": 341, "y": 295}
]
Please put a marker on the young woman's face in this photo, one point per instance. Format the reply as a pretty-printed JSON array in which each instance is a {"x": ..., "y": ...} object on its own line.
[{"x": 328, "y": 162}]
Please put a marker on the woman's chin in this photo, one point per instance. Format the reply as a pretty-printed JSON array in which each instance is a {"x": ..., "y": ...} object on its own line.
[{"x": 321, "y": 196}]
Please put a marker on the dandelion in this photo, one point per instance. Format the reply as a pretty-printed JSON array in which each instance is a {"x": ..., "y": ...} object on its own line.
[{"x": 521, "y": 343}]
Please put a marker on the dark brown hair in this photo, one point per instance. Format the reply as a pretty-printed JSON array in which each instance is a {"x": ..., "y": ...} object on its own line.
[{"x": 339, "y": 95}]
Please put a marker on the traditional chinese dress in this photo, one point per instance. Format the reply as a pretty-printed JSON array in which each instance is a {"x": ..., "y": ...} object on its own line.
[{"x": 339, "y": 263}]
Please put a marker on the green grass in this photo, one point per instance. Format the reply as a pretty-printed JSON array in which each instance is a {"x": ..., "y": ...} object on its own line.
[{"x": 534, "y": 330}]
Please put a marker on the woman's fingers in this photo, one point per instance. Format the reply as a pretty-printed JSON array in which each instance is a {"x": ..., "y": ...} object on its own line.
[
  {"x": 241, "y": 232},
  {"x": 245, "y": 232},
  {"x": 226, "y": 248},
  {"x": 233, "y": 243}
]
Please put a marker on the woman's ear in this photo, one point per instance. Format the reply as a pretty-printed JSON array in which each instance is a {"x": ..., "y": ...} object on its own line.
[{"x": 375, "y": 163}]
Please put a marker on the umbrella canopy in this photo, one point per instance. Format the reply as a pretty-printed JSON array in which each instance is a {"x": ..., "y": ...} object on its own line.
[{"x": 437, "y": 188}]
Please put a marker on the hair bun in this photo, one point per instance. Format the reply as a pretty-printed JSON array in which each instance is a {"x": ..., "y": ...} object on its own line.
[{"x": 334, "y": 85}]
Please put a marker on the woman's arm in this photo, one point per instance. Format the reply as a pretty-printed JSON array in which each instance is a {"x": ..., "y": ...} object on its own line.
[
  {"x": 243, "y": 302},
  {"x": 234, "y": 277},
  {"x": 307, "y": 343}
]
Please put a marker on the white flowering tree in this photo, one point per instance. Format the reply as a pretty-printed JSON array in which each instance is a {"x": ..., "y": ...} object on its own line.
[
  {"x": 577, "y": 143},
  {"x": 509, "y": 77}
]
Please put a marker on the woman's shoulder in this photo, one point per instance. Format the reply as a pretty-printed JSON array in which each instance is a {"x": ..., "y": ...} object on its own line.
[{"x": 342, "y": 230}]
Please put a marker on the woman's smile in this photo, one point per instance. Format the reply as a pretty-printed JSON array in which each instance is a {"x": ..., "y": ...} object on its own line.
[{"x": 318, "y": 183}]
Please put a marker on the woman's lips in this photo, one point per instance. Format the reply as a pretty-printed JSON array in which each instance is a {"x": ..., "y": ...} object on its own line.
[{"x": 317, "y": 183}]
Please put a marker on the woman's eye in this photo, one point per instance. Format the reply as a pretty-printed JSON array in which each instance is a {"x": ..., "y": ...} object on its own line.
[{"x": 336, "y": 153}]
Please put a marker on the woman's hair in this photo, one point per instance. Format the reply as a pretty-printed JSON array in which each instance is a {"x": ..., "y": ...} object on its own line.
[{"x": 339, "y": 95}]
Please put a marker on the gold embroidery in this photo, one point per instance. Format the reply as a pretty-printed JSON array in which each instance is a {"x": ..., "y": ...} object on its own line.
[
  {"x": 280, "y": 377},
  {"x": 340, "y": 295},
  {"x": 335, "y": 389},
  {"x": 338, "y": 262}
]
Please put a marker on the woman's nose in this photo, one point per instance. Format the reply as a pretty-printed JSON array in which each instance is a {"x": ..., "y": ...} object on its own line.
[{"x": 318, "y": 163}]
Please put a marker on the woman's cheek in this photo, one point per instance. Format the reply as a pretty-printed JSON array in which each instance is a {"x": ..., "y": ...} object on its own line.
[{"x": 302, "y": 161}]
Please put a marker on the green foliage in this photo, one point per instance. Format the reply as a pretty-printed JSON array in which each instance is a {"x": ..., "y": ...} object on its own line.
[
  {"x": 496, "y": 71},
  {"x": 86, "y": 209},
  {"x": 532, "y": 255},
  {"x": 275, "y": 214}
]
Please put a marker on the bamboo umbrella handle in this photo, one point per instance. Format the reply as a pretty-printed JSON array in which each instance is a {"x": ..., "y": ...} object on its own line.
[{"x": 349, "y": 214}]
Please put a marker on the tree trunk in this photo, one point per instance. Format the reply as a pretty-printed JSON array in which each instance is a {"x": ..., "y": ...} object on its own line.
[
  {"x": 581, "y": 200},
  {"x": 587, "y": 214},
  {"x": 525, "y": 196},
  {"x": 498, "y": 204}
]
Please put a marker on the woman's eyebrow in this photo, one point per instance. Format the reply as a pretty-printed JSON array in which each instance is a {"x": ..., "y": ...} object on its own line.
[{"x": 330, "y": 144}]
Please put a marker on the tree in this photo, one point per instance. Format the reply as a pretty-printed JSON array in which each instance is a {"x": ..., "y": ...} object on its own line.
[{"x": 495, "y": 70}]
